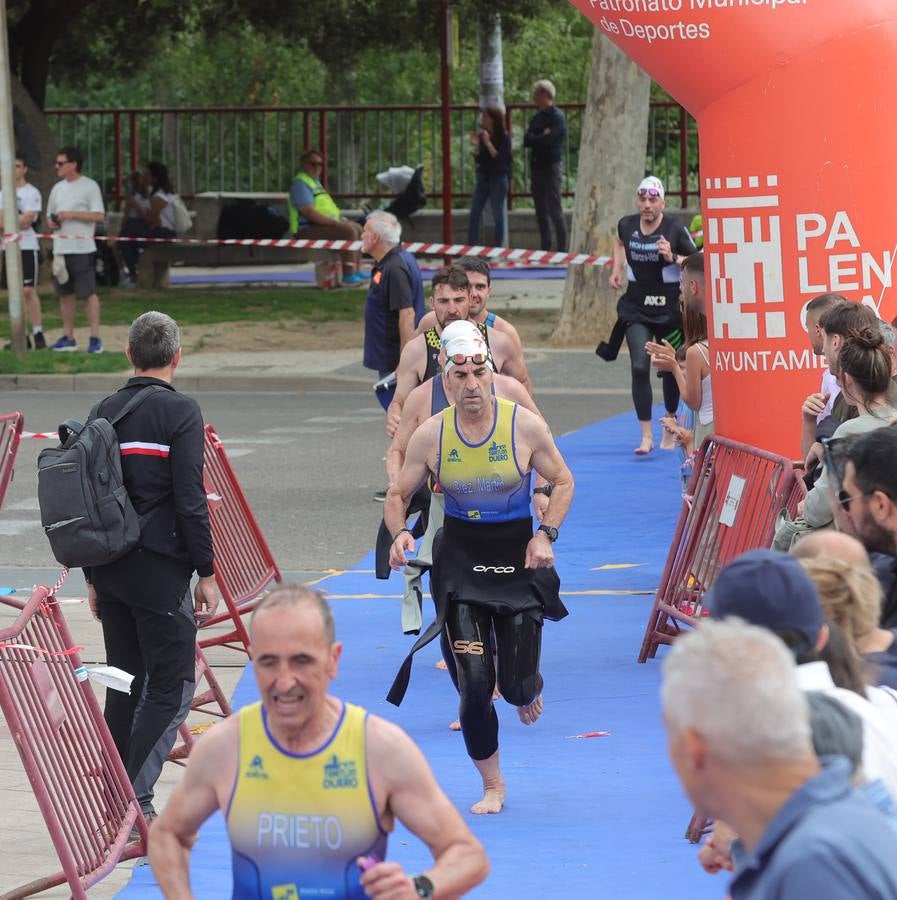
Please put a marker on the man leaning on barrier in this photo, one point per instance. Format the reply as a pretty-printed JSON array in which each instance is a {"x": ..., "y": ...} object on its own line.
[
  {"x": 143, "y": 599},
  {"x": 311, "y": 785}
]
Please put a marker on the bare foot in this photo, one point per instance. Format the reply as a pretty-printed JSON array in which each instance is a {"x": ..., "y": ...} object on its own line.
[
  {"x": 528, "y": 714},
  {"x": 645, "y": 447},
  {"x": 493, "y": 799},
  {"x": 668, "y": 441},
  {"x": 440, "y": 664},
  {"x": 455, "y": 726}
]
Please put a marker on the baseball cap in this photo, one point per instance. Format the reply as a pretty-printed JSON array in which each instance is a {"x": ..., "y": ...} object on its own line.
[
  {"x": 770, "y": 589},
  {"x": 651, "y": 184},
  {"x": 463, "y": 338}
]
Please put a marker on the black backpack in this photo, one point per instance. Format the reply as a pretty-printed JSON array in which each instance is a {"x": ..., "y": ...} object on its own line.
[{"x": 85, "y": 510}]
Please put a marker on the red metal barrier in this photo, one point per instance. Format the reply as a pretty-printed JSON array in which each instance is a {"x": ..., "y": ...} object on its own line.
[
  {"x": 734, "y": 496},
  {"x": 75, "y": 772},
  {"x": 244, "y": 565},
  {"x": 211, "y": 702},
  {"x": 10, "y": 432}
]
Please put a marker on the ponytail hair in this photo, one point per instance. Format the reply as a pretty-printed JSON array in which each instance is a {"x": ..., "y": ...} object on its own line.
[{"x": 864, "y": 357}]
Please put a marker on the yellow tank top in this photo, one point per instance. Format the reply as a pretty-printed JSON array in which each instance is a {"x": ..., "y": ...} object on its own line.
[
  {"x": 297, "y": 823},
  {"x": 483, "y": 482}
]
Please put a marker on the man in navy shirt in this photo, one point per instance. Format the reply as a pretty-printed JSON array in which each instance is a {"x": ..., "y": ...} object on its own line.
[
  {"x": 395, "y": 301},
  {"x": 739, "y": 737},
  {"x": 545, "y": 137}
]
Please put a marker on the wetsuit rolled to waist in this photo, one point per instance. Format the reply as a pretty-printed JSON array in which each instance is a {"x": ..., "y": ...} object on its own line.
[{"x": 482, "y": 564}]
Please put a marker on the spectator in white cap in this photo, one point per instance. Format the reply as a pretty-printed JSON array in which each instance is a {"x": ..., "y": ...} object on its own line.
[{"x": 651, "y": 247}]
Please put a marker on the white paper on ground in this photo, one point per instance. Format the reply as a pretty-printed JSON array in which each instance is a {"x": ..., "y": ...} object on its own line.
[{"x": 111, "y": 677}]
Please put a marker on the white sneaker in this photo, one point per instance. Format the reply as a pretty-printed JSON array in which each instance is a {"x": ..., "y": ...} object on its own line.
[{"x": 60, "y": 272}]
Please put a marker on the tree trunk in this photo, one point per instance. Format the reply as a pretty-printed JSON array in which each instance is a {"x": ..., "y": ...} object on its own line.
[
  {"x": 34, "y": 139},
  {"x": 611, "y": 164}
]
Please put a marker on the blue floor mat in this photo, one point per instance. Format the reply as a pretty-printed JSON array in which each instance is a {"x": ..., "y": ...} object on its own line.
[{"x": 595, "y": 817}]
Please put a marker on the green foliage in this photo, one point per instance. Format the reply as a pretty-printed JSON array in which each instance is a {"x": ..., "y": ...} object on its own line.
[{"x": 242, "y": 63}]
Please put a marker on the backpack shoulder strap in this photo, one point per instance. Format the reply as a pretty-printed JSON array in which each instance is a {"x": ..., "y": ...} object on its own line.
[
  {"x": 129, "y": 407},
  {"x": 135, "y": 401}
]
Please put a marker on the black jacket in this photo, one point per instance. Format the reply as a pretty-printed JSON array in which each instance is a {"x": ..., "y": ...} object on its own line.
[
  {"x": 162, "y": 462},
  {"x": 546, "y": 149}
]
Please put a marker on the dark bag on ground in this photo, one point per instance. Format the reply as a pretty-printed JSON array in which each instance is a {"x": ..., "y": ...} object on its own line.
[{"x": 85, "y": 510}]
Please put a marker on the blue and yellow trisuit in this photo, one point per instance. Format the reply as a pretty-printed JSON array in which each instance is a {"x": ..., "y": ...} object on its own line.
[{"x": 297, "y": 823}]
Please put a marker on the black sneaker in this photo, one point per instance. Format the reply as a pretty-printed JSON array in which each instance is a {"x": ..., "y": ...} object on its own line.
[
  {"x": 379, "y": 497},
  {"x": 40, "y": 342}
]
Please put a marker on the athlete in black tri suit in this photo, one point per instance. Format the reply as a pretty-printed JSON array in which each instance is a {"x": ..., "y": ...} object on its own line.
[
  {"x": 451, "y": 303},
  {"x": 651, "y": 247},
  {"x": 490, "y": 572}
]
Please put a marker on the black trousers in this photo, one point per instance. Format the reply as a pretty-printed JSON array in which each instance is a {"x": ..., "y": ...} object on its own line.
[
  {"x": 467, "y": 641},
  {"x": 149, "y": 631},
  {"x": 546, "y": 191}
]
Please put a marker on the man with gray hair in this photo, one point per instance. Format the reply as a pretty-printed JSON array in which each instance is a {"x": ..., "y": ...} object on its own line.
[
  {"x": 395, "y": 301},
  {"x": 738, "y": 728},
  {"x": 143, "y": 599},
  {"x": 545, "y": 138}
]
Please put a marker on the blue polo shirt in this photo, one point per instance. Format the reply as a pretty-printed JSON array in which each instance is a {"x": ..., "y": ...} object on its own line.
[
  {"x": 826, "y": 843},
  {"x": 396, "y": 283}
]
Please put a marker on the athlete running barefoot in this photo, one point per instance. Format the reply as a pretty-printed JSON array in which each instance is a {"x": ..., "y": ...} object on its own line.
[
  {"x": 490, "y": 573},
  {"x": 650, "y": 247}
]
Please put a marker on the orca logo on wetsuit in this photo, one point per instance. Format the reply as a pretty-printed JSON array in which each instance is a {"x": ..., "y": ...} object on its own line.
[{"x": 498, "y": 570}]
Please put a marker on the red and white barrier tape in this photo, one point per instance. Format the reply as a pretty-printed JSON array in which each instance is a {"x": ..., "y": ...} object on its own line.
[
  {"x": 44, "y": 435},
  {"x": 420, "y": 248}
]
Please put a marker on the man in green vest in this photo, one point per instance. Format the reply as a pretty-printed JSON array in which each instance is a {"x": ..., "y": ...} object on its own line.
[{"x": 314, "y": 214}]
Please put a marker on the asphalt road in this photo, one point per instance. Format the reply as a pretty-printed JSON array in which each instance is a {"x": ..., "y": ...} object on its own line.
[{"x": 308, "y": 460}]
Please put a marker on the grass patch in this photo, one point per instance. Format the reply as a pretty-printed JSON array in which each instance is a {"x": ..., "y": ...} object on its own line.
[
  {"x": 190, "y": 306},
  {"x": 45, "y": 362},
  {"x": 187, "y": 306}
]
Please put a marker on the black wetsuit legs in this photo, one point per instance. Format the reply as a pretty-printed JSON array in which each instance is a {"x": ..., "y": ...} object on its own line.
[
  {"x": 637, "y": 335},
  {"x": 466, "y": 641}
]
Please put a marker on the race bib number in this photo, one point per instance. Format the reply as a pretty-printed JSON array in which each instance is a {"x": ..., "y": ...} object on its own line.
[{"x": 655, "y": 300}]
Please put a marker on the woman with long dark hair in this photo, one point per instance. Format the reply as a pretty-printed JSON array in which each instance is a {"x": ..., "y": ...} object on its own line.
[
  {"x": 492, "y": 151},
  {"x": 694, "y": 382},
  {"x": 160, "y": 215}
]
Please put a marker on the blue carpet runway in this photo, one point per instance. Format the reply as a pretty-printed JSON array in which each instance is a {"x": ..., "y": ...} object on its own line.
[{"x": 599, "y": 817}]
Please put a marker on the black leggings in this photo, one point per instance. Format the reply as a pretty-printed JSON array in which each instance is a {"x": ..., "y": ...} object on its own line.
[
  {"x": 637, "y": 335},
  {"x": 466, "y": 641}
]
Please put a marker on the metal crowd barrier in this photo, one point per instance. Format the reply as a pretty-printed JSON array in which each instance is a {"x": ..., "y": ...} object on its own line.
[
  {"x": 77, "y": 777},
  {"x": 11, "y": 425},
  {"x": 211, "y": 702},
  {"x": 244, "y": 565},
  {"x": 732, "y": 501}
]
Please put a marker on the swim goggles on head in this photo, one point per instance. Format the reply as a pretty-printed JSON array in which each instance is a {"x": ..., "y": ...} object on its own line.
[{"x": 458, "y": 359}]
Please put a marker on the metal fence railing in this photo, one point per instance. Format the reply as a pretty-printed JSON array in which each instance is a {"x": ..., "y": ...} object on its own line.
[{"x": 257, "y": 149}]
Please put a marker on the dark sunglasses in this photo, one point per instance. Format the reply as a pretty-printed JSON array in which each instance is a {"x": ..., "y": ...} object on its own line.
[
  {"x": 61, "y": 162},
  {"x": 478, "y": 359},
  {"x": 653, "y": 193},
  {"x": 845, "y": 499}
]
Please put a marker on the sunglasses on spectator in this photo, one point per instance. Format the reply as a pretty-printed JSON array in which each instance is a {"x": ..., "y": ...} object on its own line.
[
  {"x": 478, "y": 359},
  {"x": 653, "y": 193},
  {"x": 61, "y": 162},
  {"x": 845, "y": 499}
]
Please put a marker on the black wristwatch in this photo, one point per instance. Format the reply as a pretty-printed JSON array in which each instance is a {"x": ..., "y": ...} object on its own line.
[
  {"x": 545, "y": 489},
  {"x": 423, "y": 886},
  {"x": 550, "y": 530}
]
